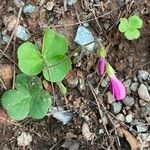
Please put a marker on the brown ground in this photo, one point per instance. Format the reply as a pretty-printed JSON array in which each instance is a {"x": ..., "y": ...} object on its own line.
[{"x": 126, "y": 56}]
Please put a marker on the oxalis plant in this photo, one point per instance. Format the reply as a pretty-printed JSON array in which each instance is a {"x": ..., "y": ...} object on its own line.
[
  {"x": 28, "y": 98},
  {"x": 130, "y": 27}
]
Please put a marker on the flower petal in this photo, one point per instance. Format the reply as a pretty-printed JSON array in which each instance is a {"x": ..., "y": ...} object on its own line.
[
  {"x": 101, "y": 65},
  {"x": 117, "y": 88}
]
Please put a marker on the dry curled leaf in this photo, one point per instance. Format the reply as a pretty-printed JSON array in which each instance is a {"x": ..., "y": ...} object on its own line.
[
  {"x": 131, "y": 139},
  {"x": 88, "y": 135}
]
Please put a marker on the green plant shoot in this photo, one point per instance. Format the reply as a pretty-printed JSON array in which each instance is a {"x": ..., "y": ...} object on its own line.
[{"x": 130, "y": 27}]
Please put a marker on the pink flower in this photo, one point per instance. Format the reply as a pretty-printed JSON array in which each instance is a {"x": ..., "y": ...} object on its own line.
[
  {"x": 117, "y": 88},
  {"x": 101, "y": 65}
]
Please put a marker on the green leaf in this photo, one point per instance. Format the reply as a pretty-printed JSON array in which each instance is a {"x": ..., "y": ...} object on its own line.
[
  {"x": 132, "y": 34},
  {"x": 62, "y": 88},
  {"x": 59, "y": 66},
  {"x": 30, "y": 59},
  {"x": 135, "y": 22},
  {"x": 16, "y": 103},
  {"x": 54, "y": 44},
  {"x": 123, "y": 26},
  {"x": 28, "y": 99}
]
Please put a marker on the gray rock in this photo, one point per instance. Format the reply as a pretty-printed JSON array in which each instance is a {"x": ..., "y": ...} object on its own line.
[
  {"x": 71, "y": 2},
  {"x": 145, "y": 110},
  {"x": 143, "y": 74},
  {"x": 128, "y": 101},
  {"x": 29, "y": 9},
  {"x": 22, "y": 33},
  {"x": 84, "y": 36},
  {"x": 120, "y": 117},
  {"x": 110, "y": 97},
  {"x": 141, "y": 127},
  {"x": 143, "y": 93},
  {"x": 104, "y": 83},
  {"x": 142, "y": 102},
  {"x": 129, "y": 118},
  {"x": 6, "y": 38},
  {"x": 134, "y": 86},
  {"x": 127, "y": 83},
  {"x": 116, "y": 107}
]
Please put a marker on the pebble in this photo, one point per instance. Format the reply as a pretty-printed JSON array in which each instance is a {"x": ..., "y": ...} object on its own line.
[
  {"x": 129, "y": 118},
  {"x": 19, "y": 3},
  {"x": 142, "y": 102},
  {"x": 127, "y": 83},
  {"x": 141, "y": 127},
  {"x": 29, "y": 9},
  {"x": 49, "y": 6},
  {"x": 6, "y": 38},
  {"x": 104, "y": 83},
  {"x": 84, "y": 36},
  {"x": 116, "y": 107},
  {"x": 134, "y": 86},
  {"x": 22, "y": 33},
  {"x": 145, "y": 136},
  {"x": 143, "y": 74},
  {"x": 71, "y": 2},
  {"x": 143, "y": 93},
  {"x": 145, "y": 110},
  {"x": 110, "y": 97},
  {"x": 120, "y": 117},
  {"x": 128, "y": 101}
]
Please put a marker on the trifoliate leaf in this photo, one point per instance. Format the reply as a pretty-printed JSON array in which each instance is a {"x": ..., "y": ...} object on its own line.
[
  {"x": 54, "y": 44},
  {"x": 123, "y": 26},
  {"x": 28, "y": 99},
  {"x": 135, "y": 22},
  {"x": 60, "y": 67},
  {"x": 30, "y": 59},
  {"x": 132, "y": 34}
]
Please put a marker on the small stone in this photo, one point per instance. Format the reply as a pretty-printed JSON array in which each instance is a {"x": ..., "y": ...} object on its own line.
[
  {"x": 101, "y": 131},
  {"x": 143, "y": 93},
  {"x": 143, "y": 74},
  {"x": 145, "y": 110},
  {"x": 142, "y": 102},
  {"x": 141, "y": 127},
  {"x": 134, "y": 86},
  {"x": 116, "y": 107},
  {"x": 29, "y": 9},
  {"x": 106, "y": 26},
  {"x": 127, "y": 83},
  {"x": 22, "y": 33},
  {"x": 129, "y": 118},
  {"x": 83, "y": 37},
  {"x": 19, "y": 3},
  {"x": 128, "y": 101},
  {"x": 120, "y": 117},
  {"x": 6, "y": 39},
  {"x": 104, "y": 83},
  {"x": 71, "y": 2},
  {"x": 145, "y": 137},
  {"x": 49, "y": 6},
  {"x": 110, "y": 97}
]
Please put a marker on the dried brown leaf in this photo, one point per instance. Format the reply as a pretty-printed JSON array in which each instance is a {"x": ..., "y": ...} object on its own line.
[{"x": 131, "y": 139}]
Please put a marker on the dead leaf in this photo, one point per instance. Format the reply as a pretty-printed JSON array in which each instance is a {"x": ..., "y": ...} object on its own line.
[
  {"x": 3, "y": 118},
  {"x": 88, "y": 135},
  {"x": 131, "y": 139}
]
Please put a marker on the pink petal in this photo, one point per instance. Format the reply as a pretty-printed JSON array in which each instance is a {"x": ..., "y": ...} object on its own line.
[
  {"x": 101, "y": 65},
  {"x": 117, "y": 88}
]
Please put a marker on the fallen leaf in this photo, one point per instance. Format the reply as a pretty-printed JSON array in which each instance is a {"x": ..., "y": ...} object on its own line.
[
  {"x": 131, "y": 139},
  {"x": 3, "y": 118},
  {"x": 24, "y": 139},
  {"x": 88, "y": 135}
]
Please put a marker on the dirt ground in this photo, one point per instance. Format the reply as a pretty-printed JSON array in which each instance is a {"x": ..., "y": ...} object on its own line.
[{"x": 94, "y": 126}]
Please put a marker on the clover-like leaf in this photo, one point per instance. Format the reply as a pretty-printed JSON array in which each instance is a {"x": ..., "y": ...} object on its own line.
[
  {"x": 28, "y": 99},
  {"x": 30, "y": 59},
  {"x": 135, "y": 22},
  {"x": 58, "y": 67},
  {"x": 132, "y": 34},
  {"x": 54, "y": 44},
  {"x": 123, "y": 26}
]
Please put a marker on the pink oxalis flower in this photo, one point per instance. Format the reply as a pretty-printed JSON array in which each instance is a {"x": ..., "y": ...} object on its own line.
[
  {"x": 117, "y": 88},
  {"x": 101, "y": 61}
]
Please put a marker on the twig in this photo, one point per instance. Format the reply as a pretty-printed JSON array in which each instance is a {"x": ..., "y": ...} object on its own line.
[{"x": 3, "y": 83}]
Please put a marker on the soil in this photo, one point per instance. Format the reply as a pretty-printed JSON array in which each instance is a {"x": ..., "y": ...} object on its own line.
[{"x": 127, "y": 57}]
